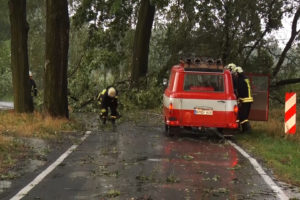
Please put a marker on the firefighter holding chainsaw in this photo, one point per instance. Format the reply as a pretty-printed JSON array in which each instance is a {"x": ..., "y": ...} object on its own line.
[
  {"x": 245, "y": 98},
  {"x": 108, "y": 99}
]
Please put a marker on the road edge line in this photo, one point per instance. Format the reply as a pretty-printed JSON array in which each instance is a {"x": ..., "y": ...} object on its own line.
[
  {"x": 49, "y": 169},
  {"x": 280, "y": 194}
]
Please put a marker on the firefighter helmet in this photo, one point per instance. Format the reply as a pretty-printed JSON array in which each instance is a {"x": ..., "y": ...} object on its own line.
[
  {"x": 238, "y": 69},
  {"x": 111, "y": 92},
  {"x": 231, "y": 66}
]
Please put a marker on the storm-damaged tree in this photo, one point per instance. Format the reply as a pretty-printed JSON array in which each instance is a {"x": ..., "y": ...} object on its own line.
[
  {"x": 141, "y": 41},
  {"x": 19, "y": 56},
  {"x": 56, "y": 58},
  {"x": 294, "y": 33}
]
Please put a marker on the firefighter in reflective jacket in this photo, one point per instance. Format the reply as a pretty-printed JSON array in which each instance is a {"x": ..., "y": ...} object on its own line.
[
  {"x": 108, "y": 98},
  {"x": 245, "y": 98}
]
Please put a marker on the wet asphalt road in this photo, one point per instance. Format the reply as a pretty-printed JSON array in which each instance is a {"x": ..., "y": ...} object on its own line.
[
  {"x": 6, "y": 105},
  {"x": 137, "y": 161}
]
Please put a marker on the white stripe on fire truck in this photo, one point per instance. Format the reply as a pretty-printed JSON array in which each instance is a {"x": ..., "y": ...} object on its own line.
[{"x": 190, "y": 104}]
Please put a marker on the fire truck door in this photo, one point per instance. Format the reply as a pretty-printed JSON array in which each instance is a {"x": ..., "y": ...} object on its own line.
[{"x": 260, "y": 92}]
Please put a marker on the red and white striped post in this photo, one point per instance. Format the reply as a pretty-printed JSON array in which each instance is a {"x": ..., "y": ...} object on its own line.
[{"x": 290, "y": 113}]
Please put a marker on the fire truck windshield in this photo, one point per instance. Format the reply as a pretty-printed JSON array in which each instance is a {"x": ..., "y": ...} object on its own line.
[{"x": 197, "y": 82}]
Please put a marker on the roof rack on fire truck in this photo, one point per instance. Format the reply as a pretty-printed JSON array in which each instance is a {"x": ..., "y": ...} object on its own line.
[{"x": 202, "y": 64}]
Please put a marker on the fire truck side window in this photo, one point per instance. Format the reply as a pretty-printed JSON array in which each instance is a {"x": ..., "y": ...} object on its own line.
[{"x": 196, "y": 82}]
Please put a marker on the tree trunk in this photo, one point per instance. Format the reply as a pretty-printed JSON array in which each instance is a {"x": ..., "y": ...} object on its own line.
[
  {"x": 56, "y": 58},
  {"x": 19, "y": 56},
  {"x": 142, "y": 40}
]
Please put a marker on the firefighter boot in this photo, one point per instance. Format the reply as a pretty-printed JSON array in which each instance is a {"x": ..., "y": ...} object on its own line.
[{"x": 246, "y": 127}]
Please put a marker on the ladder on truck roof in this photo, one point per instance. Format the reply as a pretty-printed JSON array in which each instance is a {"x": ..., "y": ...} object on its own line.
[{"x": 202, "y": 64}]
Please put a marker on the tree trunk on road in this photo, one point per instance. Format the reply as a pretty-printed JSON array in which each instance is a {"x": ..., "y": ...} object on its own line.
[
  {"x": 56, "y": 59},
  {"x": 19, "y": 56},
  {"x": 142, "y": 40}
]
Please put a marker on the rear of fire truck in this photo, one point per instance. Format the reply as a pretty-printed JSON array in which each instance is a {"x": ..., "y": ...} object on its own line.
[{"x": 201, "y": 95}]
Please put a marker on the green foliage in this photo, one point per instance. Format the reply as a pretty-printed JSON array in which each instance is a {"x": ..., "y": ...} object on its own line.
[
  {"x": 261, "y": 62},
  {"x": 4, "y": 21},
  {"x": 5, "y": 70},
  {"x": 148, "y": 96},
  {"x": 101, "y": 43}
]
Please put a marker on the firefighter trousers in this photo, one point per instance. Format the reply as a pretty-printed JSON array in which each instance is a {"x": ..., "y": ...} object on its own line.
[
  {"x": 244, "y": 111},
  {"x": 104, "y": 113}
]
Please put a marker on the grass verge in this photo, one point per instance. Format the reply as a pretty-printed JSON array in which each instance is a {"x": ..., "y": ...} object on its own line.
[
  {"x": 33, "y": 125},
  {"x": 278, "y": 151},
  {"x": 14, "y": 126}
]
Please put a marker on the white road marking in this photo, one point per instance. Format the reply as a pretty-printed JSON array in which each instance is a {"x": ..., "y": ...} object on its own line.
[
  {"x": 280, "y": 194},
  {"x": 47, "y": 171}
]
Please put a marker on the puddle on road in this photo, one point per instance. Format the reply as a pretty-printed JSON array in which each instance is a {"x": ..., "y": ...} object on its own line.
[{"x": 4, "y": 185}]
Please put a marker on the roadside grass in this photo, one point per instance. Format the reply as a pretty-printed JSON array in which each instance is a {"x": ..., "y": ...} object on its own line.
[
  {"x": 33, "y": 125},
  {"x": 14, "y": 126},
  {"x": 278, "y": 151},
  {"x": 10, "y": 152},
  {"x": 275, "y": 125}
]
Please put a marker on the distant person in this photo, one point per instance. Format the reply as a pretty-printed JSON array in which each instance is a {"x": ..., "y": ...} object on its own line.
[
  {"x": 245, "y": 98},
  {"x": 33, "y": 89},
  {"x": 108, "y": 98}
]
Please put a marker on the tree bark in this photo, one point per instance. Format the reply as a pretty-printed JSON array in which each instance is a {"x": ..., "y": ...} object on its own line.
[
  {"x": 56, "y": 58},
  {"x": 142, "y": 40},
  {"x": 19, "y": 56}
]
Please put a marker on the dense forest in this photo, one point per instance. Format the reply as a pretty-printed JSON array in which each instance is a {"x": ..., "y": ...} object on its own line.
[{"x": 133, "y": 43}]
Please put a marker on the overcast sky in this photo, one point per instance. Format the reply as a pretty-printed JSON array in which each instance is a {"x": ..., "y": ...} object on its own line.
[{"x": 284, "y": 33}]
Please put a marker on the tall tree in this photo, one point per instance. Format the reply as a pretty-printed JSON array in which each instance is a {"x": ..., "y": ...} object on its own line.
[
  {"x": 141, "y": 40},
  {"x": 56, "y": 58},
  {"x": 19, "y": 56},
  {"x": 294, "y": 33}
]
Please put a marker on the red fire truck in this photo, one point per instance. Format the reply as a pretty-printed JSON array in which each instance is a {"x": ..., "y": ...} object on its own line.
[{"x": 201, "y": 95}]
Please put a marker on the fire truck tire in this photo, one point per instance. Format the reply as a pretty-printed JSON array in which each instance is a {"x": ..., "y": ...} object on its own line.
[{"x": 169, "y": 130}]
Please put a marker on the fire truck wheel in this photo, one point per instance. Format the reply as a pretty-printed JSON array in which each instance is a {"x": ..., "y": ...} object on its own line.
[{"x": 169, "y": 130}]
